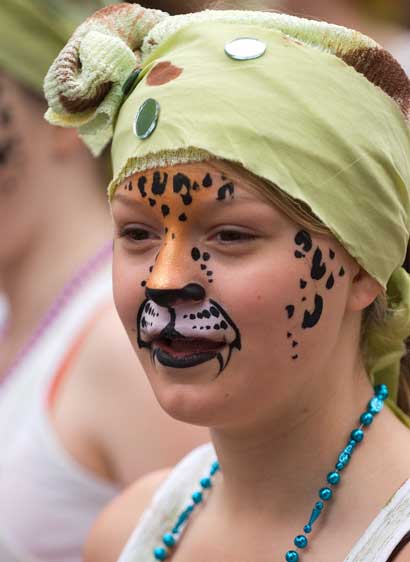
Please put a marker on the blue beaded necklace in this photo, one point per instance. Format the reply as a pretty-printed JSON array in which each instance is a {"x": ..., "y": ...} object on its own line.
[{"x": 374, "y": 406}]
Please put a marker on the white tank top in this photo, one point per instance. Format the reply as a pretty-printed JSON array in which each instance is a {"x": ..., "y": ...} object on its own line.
[
  {"x": 48, "y": 501},
  {"x": 375, "y": 545}
]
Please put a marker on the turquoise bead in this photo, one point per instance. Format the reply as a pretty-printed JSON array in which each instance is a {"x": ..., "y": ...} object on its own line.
[
  {"x": 316, "y": 511},
  {"x": 349, "y": 448},
  {"x": 214, "y": 468},
  {"x": 205, "y": 482},
  {"x": 344, "y": 459},
  {"x": 160, "y": 553},
  {"x": 381, "y": 391},
  {"x": 301, "y": 541},
  {"x": 307, "y": 528},
  {"x": 357, "y": 435},
  {"x": 366, "y": 418},
  {"x": 292, "y": 556},
  {"x": 197, "y": 497},
  {"x": 375, "y": 405},
  {"x": 325, "y": 494},
  {"x": 333, "y": 478},
  {"x": 168, "y": 540},
  {"x": 339, "y": 466}
]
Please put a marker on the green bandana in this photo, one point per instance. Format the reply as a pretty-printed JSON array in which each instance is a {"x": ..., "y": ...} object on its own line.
[{"x": 298, "y": 116}]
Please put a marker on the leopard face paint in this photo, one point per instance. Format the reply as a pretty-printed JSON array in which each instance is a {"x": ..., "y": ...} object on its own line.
[
  {"x": 220, "y": 249},
  {"x": 318, "y": 270},
  {"x": 187, "y": 335},
  {"x": 194, "y": 332}
]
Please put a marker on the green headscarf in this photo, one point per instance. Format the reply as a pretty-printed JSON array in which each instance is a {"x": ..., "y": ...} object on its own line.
[
  {"x": 300, "y": 116},
  {"x": 33, "y": 32}
]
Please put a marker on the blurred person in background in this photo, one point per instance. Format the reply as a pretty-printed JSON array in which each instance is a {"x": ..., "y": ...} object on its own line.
[
  {"x": 77, "y": 418},
  {"x": 387, "y": 21}
]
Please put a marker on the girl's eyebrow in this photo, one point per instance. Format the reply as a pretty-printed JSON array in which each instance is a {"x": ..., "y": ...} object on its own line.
[{"x": 240, "y": 197}]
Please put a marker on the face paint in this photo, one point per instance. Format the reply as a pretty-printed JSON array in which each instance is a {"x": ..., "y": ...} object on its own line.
[
  {"x": 318, "y": 270},
  {"x": 187, "y": 335}
]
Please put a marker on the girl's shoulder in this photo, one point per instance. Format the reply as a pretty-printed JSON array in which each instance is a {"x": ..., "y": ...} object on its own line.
[{"x": 146, "y": 509}]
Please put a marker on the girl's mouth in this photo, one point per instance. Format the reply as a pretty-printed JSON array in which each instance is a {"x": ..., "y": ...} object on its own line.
[{"x": 185, "y": 352}]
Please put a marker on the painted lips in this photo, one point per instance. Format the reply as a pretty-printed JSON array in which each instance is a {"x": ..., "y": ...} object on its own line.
[{"x": 185, "y": 352}]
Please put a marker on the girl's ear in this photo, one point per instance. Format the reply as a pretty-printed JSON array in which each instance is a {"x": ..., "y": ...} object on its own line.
[{"x": 363, "y": 291}]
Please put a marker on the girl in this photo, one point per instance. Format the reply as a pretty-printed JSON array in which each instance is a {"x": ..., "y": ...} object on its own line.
[{"x": 261, "y": 208}]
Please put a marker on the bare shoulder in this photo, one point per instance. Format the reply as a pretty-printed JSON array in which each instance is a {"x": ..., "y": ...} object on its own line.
[{"x": 116, "y": 523}]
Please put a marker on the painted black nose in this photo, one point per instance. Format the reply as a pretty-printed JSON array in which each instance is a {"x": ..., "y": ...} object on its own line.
[{"x": 168, "y": 297}]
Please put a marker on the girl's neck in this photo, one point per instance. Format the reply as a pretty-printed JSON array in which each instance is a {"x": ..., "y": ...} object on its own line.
[{"x": 280, "y": 466}]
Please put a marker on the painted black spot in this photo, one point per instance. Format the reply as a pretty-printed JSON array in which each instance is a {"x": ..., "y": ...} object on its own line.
[
  {"x": 164, "y": 210},
  {"x": 227, "y": 188},
  {"x": 303, "y": 283},
  {"x": 310, "y": 319},
  {"x": 217, "y": 327},
  {"x": 224, "y": 325},
  {"x": 206, "y": 314},
  {"x": 185, "y": 316},
  {"x": 203, "y": 266},
  {"x": 208, "y": 327},
  {"x": 295, "y": 356},
  {"x": 142, "y": 180},
  {"x": 207, "y": 181},
  {"x": 151, "y": 268},
  {"x": 166, "y": 232},
  {"x": 206, "y": 256},
  {"x": 330, "y": 282},
  {"x": 181, "y": 181},
  {"x": 143, "y": 283},
  {"x": 210, "y": 280},
  {"x": 195, "y": 254},
  {"x": 290, "y": 309},
  {"x": 173, "y": 236},
  {"x": 331, "y": 254},
  {"x": 214, "y": 311},
  {"x": 159, "y": 184},
  {"x": 182, "y": 217},
  {"x": 130, "y": 186},
  {"x": 304, "y": 239},
  {"x": 192, "y": 316},
  {"x": 209, "y": 273},
  {"x": 303, "y": 299},
  {"x": 152, "y": 202},
  {"x": 295, "y": 343},
  {"x": 318, "y": 268},
  {"x": 199, "y": 315},
  {"x": 289, "y": 335},
  {"x": 341, "y": 272},
  {"x": 299, "y": 254}
]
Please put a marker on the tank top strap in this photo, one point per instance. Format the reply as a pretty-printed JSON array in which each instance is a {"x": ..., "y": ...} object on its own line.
[
  {"x": 170, "y": 499},
  {"x": 386, "y": 531}
]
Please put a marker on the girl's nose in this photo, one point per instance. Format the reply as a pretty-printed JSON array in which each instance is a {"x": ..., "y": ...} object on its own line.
[{"x": 169, "y": 297}]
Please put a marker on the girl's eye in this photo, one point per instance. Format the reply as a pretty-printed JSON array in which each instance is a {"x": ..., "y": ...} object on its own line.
[
  {"x": 136, "y": 234},
  {"x": 226, "y": 236}
]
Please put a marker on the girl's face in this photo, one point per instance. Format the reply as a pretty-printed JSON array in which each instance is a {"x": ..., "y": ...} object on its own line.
[
  {"x": 231, "y": 305},
  {"x": 23, "y": 169}
]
